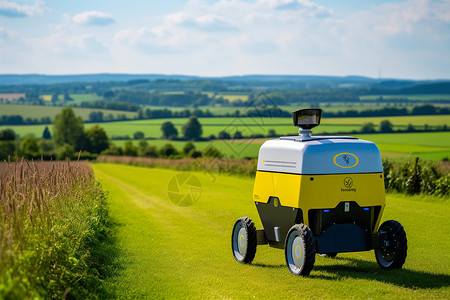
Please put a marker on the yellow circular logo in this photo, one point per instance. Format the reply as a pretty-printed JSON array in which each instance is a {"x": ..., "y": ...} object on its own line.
[{"x": 345, "y": 160}]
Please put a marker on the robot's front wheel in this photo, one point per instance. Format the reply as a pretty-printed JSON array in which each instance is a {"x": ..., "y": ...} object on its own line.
[
  {"x": 243, "y": 240},
  {"x": 300, "y": 250},
  {"x": 393, "y": 245}
]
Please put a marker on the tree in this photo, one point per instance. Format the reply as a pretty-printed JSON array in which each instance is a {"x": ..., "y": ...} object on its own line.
[
  {"x": 368, "y": 128},
  {"x": 271, "y": 132},
  {"x": 212, "y": 151},
  {"x": 7, "y": 149},
  {"x": 237, "y": 135},
  {"x": 47, "y": 146},
  {"x": 386, "y": 126},
  {"x": 66, "y": 151},
  {"x": 149, "y": 151},
  {"x": 7, "y": 135},
  {"x": 96, "y": 116},
  {"x": 138, "y": 135},
  {"x": 168, "y": 150},
  {"x": 410, "y": 128},
  {"x": 223, "y": 135},
  {"x": 98, "y": 139},
  {"x": 55, "y": 97},
  {"x": 192, "y": 130},
  {"x": 69, "y": 129},
  {"x": 67, "y": 97},
  {"x": 188, "y": 147},
  {"x": 129, "y": 149},
  {"x": 169, "y": 131},
  {"x": 29, "y": 148},
  {"x": 47, "y": 135}
]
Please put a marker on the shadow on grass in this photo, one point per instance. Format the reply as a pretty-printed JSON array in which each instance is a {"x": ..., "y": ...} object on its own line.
[
  {"x": 269, "y": 266},
  {"x": 360, "y": 269},
  {"x": 106, "y": 265}
]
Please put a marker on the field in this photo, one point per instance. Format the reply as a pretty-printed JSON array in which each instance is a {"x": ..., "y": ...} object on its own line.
[
  {"x": 248, "y": 126},
  {"x": 409, "y": 97},
  {"x": 40, "y": 111},
  {"x": 397, "y": 146},
  {"x": 167, "y": 251}
]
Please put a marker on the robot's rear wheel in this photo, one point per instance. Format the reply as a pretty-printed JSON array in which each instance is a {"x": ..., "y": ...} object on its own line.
[
  {"x": 394, "y": 246},
  {"x": 243, "y": 240},
  {"x": 300, "y": 250}
]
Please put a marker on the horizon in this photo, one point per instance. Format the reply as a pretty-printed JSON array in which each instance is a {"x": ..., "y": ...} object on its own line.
[{"x": 223, "y": 76}]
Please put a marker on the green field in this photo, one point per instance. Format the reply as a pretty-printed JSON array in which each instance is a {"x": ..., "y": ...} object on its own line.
[
  {"x": 39, "y": 111},
  {"x": 409, "y": 97},
  {"x": 430, "y": 145},
  {"x": 78, "y": 98},
  {"x": 168, "y": 251},
  {"x": 398, "y": 146}
]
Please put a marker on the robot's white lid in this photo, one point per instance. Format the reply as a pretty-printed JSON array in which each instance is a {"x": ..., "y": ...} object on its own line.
[{"x": 319, "y": 155}]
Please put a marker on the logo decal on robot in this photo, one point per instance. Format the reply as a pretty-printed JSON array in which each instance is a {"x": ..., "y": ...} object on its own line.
[{"x": 345, "y": 160}]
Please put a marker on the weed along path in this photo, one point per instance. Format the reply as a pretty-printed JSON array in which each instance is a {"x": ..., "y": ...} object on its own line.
[{"x": 169, "y": 251}]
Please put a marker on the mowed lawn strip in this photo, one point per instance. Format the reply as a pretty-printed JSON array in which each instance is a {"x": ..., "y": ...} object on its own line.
[{"x": 170, "y": 252}]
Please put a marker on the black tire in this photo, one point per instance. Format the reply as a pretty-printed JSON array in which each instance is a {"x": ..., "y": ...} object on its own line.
[
  {"x": 393, "y": 250},
  {"x": 300, "y": 250},
  {"x": 243, "y": 240},
  {"x": 329, "y": 255}
]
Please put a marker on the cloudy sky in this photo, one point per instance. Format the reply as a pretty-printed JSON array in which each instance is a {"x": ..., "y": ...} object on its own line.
[{"x": 394, "y": 39}]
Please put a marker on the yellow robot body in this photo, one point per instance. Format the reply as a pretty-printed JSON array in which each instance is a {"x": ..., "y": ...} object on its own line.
[{"x": 320, "y": 182}]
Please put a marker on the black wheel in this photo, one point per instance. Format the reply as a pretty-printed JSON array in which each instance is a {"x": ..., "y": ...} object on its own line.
[
  {"x": 329, "y": 255},
  {"x": 243, "y": 240},
  {"x": 300, "y": 250},
  {"x": 393, "y": 245}
]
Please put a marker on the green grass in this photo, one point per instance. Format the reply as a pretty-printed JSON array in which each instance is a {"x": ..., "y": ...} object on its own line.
[
  {"x": 174, "y": 252},
  {"x": 39, "y": 111}
]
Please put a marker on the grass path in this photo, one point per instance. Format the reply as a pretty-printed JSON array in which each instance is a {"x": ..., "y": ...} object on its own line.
[{"x": 171, "y": 252}]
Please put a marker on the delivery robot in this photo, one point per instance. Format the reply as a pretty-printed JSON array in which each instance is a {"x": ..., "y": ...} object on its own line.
[{"x": 319, "y": 194}]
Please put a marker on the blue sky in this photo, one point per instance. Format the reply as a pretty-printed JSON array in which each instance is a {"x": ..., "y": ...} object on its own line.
[{"x": 394, "y": 39}]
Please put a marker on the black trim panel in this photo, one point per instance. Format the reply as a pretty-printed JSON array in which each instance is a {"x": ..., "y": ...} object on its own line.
[{"x": 274, "y": 214}]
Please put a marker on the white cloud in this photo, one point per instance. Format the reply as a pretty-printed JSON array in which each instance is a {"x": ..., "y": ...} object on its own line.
[
  {"x": 15, "y": 10},
  {"x": 87, "y": 43},
  {"x": 308, "y": 8},
  {"x": 95, "y": 18},
  {"x": 6, "y": 34},
  {"x": 208, "y": 22}
]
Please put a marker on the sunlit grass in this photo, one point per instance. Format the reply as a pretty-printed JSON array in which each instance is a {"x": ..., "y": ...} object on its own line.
[{"x": 175, "y": 252}]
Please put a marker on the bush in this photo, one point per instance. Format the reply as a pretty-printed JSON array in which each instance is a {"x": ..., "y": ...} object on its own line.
[
  {"x": 66, "y": 151},
  {"x": 188, "y": 147},
  {"x": 168, "y": 150},
  {"x": 415, "y": 177},
  {"x": 212, "y": 151}
]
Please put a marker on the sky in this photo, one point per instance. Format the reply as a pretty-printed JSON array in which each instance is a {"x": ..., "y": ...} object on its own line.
[{"x": 389, "y": 39}]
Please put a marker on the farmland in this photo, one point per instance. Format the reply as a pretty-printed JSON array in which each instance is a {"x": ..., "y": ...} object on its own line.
[
  {"x": 39, "y": 111},
  {"x": 398, "y": 146},
  {"x": 427, "y": 145},
  {"x": 168, "y": 251},
  {"x": 409, "y": 97},
  {"x": 248, "y": 126}
]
